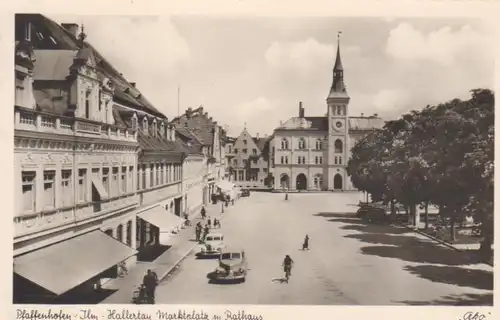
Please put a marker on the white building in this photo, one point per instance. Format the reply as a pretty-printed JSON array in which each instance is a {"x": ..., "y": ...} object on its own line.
[
  {"x": 99, "y": 172},
  {"x": 311, "y": 153}
]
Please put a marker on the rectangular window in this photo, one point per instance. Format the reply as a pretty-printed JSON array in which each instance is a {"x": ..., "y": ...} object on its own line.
[
  {"x": 115, "y": 188},
  {"x": 66, "y": 188},
  {"x": 282, "y": 160},
  {"x": 105, "y": 180},
  {"x": 286, "y": 160},
  {"x": 264, "y": 170},
  {"x": 298, "y": 160},
  {"x": 28, "y": 187},
  {"x": 316, "y": 160},
  {"x": 143, "y": 176},
  {"x": 151, "y": 175},
  {"x": 320, "y": 160},
  {"x": 82, "y": 185},
  {"x": 49, "y": 194},
  {"x": 254, "y": 151},
  {"x": 124, "y": 180},
  {"x": 130, "y": 183},
  {"x": 245, "y": 151},
  {"x": 340, "y": 160},
  {"x": 335, "y": 160},
  {"x": 158, "y": 173},
  {"x": 236, "y": 161},
  {"x": 139, "y": 187},
  {"x": 244, "y": 142},
  {"x": 236, "y": 150}
]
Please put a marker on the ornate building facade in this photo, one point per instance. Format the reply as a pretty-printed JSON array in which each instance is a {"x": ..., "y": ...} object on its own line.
[
  {"x": 247, "y": 158},
  {"x": 311, "y": 153},
  {"x": 99, "y": 171}
]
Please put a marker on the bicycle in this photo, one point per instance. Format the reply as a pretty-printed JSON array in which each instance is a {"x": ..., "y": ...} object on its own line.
[{"x": 288, "y": 273}]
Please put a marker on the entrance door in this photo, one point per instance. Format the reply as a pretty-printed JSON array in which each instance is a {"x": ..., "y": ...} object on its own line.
[
  {"x": 337, "y": 182},
  {"x": 301, "y": 182}
]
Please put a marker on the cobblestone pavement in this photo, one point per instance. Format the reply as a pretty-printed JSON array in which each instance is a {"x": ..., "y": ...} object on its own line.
[{"x": 349, "y": 263}]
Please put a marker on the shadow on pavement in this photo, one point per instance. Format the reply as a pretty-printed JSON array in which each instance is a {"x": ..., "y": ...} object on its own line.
[
  {"x": 463, "y": 277},
  {"x": 422, "y": 253},
  {"x": 470, "y": 299},
  {"x": 150, "y": 254},
  {"x": 373, "y": 228},
  {"x": 336, "y": 214},
  {"x": 379, "y": 238},
  {"x": 212, "y": 280}
]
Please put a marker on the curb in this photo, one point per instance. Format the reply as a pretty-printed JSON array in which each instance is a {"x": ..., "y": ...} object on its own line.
[
  {"x": 444, "y": 243},
  {"x": 183, "y": 256}
]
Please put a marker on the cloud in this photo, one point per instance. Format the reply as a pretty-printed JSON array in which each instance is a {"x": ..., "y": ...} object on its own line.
[
  {"x": 443, "y": 46},
  {"x": 256, "y": 114},
  {"x": 388, "y": 100}
]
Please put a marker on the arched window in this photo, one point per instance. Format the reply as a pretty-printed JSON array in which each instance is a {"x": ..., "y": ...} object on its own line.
[
  {"x": 284, "y": 144},
  {"x": 119, "y": 233},
  {"x": 129, "y": 233},
  {"x": 338, "y": 146},
  {"x": 319, "y": 144},
  {"x": 302, "y": 143}
]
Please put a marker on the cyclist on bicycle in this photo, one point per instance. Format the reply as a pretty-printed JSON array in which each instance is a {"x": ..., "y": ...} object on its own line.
[{"x": 287, "y": 264}]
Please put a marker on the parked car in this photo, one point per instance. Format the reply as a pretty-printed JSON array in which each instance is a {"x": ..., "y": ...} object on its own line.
[
  {"x": 245, "y": 192},
  {"x": 372, "y": 212},
  {"x": 232, "y": 266},
  {"x": 213, "y": 244}
]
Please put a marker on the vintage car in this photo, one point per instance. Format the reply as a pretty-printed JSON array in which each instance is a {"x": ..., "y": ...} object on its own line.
[
  {"x": 245, "y": 192},
  {"x": 213, "y": 244},
  {"x": 232, "y": 266}
]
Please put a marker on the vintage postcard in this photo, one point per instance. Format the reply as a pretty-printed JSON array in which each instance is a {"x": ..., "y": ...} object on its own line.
[{"x": 216, "y": 165}]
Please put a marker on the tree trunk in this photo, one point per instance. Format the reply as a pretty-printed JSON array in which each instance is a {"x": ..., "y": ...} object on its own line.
[
  {"x": 426, "y": 215},
  {"x": 413, "y": 213},
  {"x": 453, "y": 235}
]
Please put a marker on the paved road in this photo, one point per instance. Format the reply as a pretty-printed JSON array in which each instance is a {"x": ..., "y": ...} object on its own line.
[{"x": 349, "y": 263}]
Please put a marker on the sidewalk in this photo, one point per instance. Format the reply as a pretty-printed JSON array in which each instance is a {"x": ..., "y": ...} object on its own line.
[{"x": 182, "y": 244}]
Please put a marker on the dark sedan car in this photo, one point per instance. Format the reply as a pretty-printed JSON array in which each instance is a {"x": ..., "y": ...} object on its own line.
[{"x": 245, "y": 193}]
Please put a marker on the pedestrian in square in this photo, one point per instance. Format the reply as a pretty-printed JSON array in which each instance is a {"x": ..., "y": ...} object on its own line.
[
  {"x": 203, "y": 212},
  {"x": 150, "y": 281},
  {"x": 209, "y": 222}
]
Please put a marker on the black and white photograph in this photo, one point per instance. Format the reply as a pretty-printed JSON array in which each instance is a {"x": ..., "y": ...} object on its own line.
[{"x": 197, "y": 159}]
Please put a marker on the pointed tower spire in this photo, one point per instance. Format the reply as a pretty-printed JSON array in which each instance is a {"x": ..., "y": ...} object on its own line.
[{"x": 338, "y": 87}]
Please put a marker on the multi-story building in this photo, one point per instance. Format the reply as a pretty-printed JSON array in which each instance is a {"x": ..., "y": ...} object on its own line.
[
  {"x": 99, "y": 170},
  {"x": 311, "y": 153},
  {"x": 212, "y": 138},
  {"x": 248, "y": 160}
]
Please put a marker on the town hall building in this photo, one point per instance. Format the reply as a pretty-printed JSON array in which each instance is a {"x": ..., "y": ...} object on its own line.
[{"x": 311, "y": 153}]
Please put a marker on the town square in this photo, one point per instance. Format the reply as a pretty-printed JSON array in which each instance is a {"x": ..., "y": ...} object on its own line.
[{"x": 308, "y": 162}]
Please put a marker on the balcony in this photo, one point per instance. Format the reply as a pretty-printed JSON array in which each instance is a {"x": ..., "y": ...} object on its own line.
[
  {"x": 68, "y": 217},
  {"x": 36, "y": 121}
]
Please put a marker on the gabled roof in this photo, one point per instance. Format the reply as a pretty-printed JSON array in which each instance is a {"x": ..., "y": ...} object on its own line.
[
  {"x": 199, "y": 124},
  {"x": 260, "y": 142},
  {"x": 55, "y": 37}
]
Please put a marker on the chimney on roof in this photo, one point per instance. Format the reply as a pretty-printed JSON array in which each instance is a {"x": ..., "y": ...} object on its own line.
[
  {"x": 281, "y": 123},
  {"x": 72, "y": 28},
  {"x": 132, "y": 84},
  {"x": 265, "y": 135},
  {"x": 257, "y": 136},
  {"x": 301, "y": 110},
  {"x": 375, "y": 115},
  {"x": 362, "y": 114}
]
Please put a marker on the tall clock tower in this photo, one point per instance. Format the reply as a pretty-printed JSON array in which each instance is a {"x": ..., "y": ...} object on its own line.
[{"x": 338, "y": 128}]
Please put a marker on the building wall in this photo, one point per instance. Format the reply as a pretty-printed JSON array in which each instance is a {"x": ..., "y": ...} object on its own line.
[
  {"x": 55, "y": 195},
  {"x": 193, "y": 183}
]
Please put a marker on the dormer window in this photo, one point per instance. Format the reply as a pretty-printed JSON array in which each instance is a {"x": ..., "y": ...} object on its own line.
[
  {"x": 27, "y": 31},
  {"x": 162, "y": 129},
  {"x": 154, "y": 128},
  {"x": 134, "y": 121},
  {"x": 145, "y": 124}
]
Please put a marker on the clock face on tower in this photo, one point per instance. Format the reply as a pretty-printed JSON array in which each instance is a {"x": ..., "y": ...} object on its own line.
[{"x": 337, "y": 125}]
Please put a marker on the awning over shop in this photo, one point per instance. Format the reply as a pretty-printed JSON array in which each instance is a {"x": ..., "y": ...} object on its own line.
[
  {"x": 64, "y": 265},
  {"x": 97, "y": 182},
  {"x": 163, "y": 219},
  {"x": 225, "y": 185}
]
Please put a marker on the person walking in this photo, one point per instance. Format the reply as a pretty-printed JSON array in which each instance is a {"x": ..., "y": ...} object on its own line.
[
  {"x": 150, "y": 281},
  {"x": 209, "y": 222},
  {"x": 198, "y": 231},
  {"x": 203, "y": 212},
  {"x": 305, "y": 245}
]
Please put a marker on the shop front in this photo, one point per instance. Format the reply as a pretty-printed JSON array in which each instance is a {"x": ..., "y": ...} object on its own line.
[{"x": 77, "y": 264}]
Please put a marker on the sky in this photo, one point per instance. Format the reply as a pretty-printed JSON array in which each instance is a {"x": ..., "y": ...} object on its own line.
[{"x": 254, "y": 71}]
